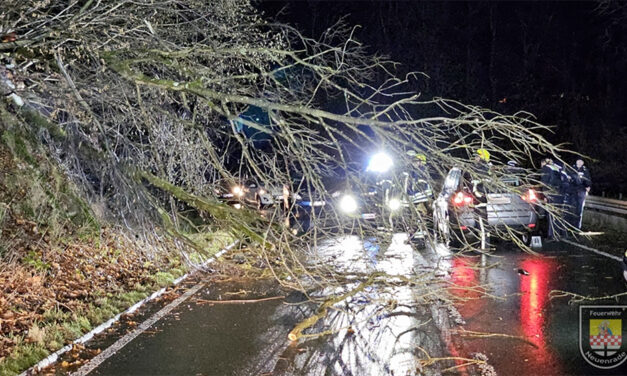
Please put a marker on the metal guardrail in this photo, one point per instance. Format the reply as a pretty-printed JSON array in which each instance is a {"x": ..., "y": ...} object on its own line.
[{"x": 607, "y": 205}]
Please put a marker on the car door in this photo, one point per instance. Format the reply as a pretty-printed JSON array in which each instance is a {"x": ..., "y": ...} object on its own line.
[{"x": 452, "y": 183}]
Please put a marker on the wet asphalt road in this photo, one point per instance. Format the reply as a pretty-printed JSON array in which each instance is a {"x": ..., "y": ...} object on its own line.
[
  {"x": 522, "y": 306},
  {"x": 251, "y": 339},
  {"x": 386, "y": 338}
]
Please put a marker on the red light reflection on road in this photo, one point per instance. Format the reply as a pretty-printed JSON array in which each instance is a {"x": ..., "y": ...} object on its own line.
[
  {"x": 527, "y": 317},
  {"x": 465, "y": 279},
  {"x": 534, "y": 298}
]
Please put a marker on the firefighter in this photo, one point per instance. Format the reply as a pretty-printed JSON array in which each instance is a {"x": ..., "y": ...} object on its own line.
[
  {"x": 418, "y": 168},
  {"x": 483, "y": 157},
  {"x": 419, "y": 192},
  {"x": 482, "y": 168}
]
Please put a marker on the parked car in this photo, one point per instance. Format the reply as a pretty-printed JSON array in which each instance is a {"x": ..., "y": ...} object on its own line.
[
  {"x": 262, "y": 196},
  {"x": 249, "y": 192},
  {"x": 303, "y": 201},
  {"x": 301, "y": 193},
  {"x": 367, "y": 205},
  {"x": 230, "y": 191},
  {"x": 458, "y": 213}
]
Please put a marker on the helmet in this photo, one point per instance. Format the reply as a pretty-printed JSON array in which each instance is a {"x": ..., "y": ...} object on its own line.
[
  {"x": 484, "y": 154},
  {"x": 419, "y": 156}
]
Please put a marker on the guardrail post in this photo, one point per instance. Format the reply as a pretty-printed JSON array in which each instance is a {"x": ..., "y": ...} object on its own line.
[
  {"x": 620, "y": 196},
  {"x": 603, "y": 194}
]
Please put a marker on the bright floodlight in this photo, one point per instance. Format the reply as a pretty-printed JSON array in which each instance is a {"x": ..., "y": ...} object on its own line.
[
  {"x": 348, "y": 204},
  {"x": 380, "y": 162},
  {"x": 394, "y": 204}
]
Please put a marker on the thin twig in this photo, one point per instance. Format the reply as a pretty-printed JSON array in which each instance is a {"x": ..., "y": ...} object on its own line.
[{"x": 240, "y": 301}]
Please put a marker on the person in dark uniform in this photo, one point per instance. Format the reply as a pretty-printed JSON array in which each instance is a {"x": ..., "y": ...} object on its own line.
[
  {"x": 570, "y": 193},
  {"x": 548, "y": 191},
  {"x": 553, "y": 189},
  {"x": 581, "y": 182}
]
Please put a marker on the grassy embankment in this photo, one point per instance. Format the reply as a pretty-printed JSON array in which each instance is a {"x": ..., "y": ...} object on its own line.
[{"x": 62, "y": 272}]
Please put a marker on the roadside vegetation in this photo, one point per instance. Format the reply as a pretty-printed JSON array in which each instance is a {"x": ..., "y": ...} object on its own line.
[{"x": 62, "y": 272}]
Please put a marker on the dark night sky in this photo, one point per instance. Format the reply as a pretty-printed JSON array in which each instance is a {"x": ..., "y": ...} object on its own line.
[{"x": 565, "y": 62}]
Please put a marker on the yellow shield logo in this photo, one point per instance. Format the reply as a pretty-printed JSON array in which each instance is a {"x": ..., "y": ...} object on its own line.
[{"x": 601, "y": 335}]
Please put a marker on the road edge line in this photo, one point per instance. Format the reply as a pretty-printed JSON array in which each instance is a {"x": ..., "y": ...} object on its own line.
[
  {"x": 120, "y": 343},
  {"x": 593, "y": 250},
  {"x": 52, "y": 358}
]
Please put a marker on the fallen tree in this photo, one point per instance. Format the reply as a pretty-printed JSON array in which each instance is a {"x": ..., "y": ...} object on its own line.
[
  {"x": 141, "y": 104},
  {"x": 161, "y": 85}
]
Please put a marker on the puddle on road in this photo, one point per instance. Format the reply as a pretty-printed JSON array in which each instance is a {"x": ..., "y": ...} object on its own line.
[{"x": 521, "y": 285}]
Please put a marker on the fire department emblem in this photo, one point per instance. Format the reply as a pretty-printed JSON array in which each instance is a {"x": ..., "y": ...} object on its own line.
[{"x": 601, "y": 332}]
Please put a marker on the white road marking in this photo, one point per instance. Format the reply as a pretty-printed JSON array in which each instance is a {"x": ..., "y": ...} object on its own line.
[
  {"x": 102, "y": 327},
  {"x": 593, "y": 250},
  {"x": 119, "y": 344}
]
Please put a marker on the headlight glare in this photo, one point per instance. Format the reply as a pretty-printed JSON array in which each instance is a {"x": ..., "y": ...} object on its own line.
[
  {"x": 238, "y": 191},
  {"x": 380, "y": 162},
  {"x": 394, "y": 204},
  {"x": 348, "y": 204}
]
